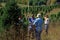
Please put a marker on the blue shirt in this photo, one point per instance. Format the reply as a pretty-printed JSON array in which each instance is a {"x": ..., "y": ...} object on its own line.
[
  {"x": 38, "y": 23},
  {"x": 31, "y": 20}
]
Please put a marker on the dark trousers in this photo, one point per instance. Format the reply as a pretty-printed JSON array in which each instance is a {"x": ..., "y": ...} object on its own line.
[
  {"x": 38, "y": 35},
  {"x": 46, "y": 28}
]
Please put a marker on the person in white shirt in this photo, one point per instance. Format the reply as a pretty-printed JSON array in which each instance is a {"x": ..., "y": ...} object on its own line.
[{"x": 46, "y": 23}]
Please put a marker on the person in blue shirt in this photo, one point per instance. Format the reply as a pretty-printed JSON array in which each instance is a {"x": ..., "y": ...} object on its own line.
[
  {"x": 30, "y": 29},
  {"x": 38, "y": 26}
]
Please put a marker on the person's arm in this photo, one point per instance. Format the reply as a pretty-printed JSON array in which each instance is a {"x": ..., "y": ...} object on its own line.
[
  {"x": 34, "y": 24},
  {"x": 33, "y": 27}
]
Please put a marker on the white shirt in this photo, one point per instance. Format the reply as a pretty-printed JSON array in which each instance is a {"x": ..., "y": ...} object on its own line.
[{"x": 46, "y": 21}]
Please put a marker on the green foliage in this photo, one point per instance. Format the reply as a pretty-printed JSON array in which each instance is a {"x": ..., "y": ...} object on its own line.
[
  {"x": 13, "y": 14},
  {"x": 2, "y": 18},
  {"x": 37, "y": 2},
  {"x": 58, "y": 16},
  {"x": 53, "y": 17},
  {"x": 1, "y": 12},
  {"x": 3, "y": 0}
]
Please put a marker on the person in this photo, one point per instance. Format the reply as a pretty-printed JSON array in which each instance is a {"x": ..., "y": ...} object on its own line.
[
  {"x": 46, "y": 23},
  {"x": 38, "y": 26},
  {"x": 20, "y": 20},
  {"x": 30, "y": 30}
]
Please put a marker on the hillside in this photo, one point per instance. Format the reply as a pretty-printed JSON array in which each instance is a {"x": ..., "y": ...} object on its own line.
[
  {"x": 13, "y": 23},
  {"x": 54, "y": 11}
]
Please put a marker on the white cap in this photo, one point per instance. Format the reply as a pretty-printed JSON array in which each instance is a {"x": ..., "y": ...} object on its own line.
[{"x": 38, "y": 15}]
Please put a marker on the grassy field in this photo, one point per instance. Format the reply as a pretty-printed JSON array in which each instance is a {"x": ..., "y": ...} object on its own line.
[{"x": 54, "y": 33}]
